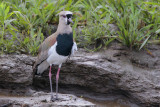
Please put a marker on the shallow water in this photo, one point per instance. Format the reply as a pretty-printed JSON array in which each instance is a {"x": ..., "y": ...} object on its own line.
[
  {"x": 100, "y": 99},
  {"x": 111, "y": 103},
  {"x": 114, "y": 103}
]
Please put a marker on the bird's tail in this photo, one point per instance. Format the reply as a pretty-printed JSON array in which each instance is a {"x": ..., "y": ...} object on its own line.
[{"x": 39, "y": 69}]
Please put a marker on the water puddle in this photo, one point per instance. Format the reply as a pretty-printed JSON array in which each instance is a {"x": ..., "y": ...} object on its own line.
[
  {"x": 99, "y": 99},
  {"x": 114, "y": 103}
]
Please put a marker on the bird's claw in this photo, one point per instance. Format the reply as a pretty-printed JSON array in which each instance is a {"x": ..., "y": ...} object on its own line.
[
  {"x": 54, "y": 99},
  {"x": 57, "y": 98}
]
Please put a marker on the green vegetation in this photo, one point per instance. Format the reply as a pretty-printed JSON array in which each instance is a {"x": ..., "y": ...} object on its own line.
[{"x": 25, "y": 23}]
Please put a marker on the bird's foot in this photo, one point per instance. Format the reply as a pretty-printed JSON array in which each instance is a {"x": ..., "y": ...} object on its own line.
[
  {"x": 57, "y": 98},
  {"x": 54, "y": 99}
]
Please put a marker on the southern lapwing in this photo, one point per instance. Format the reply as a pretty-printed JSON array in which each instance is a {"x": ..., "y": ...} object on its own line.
[{"x": 56, "y": 49}]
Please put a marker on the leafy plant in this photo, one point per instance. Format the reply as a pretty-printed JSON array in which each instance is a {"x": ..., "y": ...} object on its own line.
[
  {"x": 151, "y": 15},
  {"x": 24, "y": 22},
  {"x": 34, "y": 41},
  {"x": 131, "y": 33},
  {"x": 6, "y": 27},
  {"x": 96, "y": 33}
]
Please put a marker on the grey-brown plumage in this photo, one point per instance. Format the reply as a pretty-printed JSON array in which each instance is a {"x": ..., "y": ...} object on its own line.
[
  {"x": 41, "y": 61},
  {"x": 56, "y": 48}
]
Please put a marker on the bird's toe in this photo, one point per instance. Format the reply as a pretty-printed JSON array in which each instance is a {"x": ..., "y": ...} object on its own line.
[
  {"x": 57, "y": 98},
  {"x": 53, "y": 99}
]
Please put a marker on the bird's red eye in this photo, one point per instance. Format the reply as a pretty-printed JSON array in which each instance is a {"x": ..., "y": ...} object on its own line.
[{"x": 64, "y": 16}]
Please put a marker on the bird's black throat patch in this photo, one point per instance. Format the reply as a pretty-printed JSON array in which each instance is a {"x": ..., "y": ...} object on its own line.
[
  {"x": 68, "y": 16},
  {"x": 64, "y": 44}
]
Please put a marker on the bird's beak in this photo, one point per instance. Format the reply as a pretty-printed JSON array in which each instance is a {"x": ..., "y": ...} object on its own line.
[{"x": 70, "y": 20}]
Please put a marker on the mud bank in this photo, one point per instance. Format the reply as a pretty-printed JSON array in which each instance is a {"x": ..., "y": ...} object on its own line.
[
  {"x": 42, "y": 99},
  {"x": 114, "y": 71}
]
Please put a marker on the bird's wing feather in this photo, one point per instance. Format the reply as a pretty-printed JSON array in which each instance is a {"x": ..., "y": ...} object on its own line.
[
  {"x": 43, "y": 50},
  {"x": 74, "y": 48}
]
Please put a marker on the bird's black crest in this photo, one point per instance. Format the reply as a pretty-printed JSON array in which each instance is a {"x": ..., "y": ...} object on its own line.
[{"x": 64, "y": 44}]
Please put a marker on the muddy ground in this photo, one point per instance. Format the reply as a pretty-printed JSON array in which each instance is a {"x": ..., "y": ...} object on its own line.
[{"x": 114, "y": 77}]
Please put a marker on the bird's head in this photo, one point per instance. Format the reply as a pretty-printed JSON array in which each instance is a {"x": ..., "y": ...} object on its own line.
[{"x": 65, "y": 17}]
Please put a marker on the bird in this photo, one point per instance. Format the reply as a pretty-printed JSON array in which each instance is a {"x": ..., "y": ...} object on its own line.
[{"x": 56, "y": 49}]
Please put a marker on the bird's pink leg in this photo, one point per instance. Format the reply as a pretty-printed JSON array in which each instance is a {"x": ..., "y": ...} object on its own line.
[
  {"x": 57, "y": 77},
  {"x": 50, "y": 80}
]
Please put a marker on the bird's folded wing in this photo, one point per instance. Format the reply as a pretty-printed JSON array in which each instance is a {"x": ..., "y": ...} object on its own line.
[
  {"x": 74, "y": 48},
  {"x": 43, "y": 50}
]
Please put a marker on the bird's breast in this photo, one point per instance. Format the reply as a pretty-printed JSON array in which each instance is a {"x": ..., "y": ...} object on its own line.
[{"x": 64, "y": 44}]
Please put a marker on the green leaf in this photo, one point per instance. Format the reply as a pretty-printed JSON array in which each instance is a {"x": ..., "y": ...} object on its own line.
[{"x": 144, "y": 42}]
